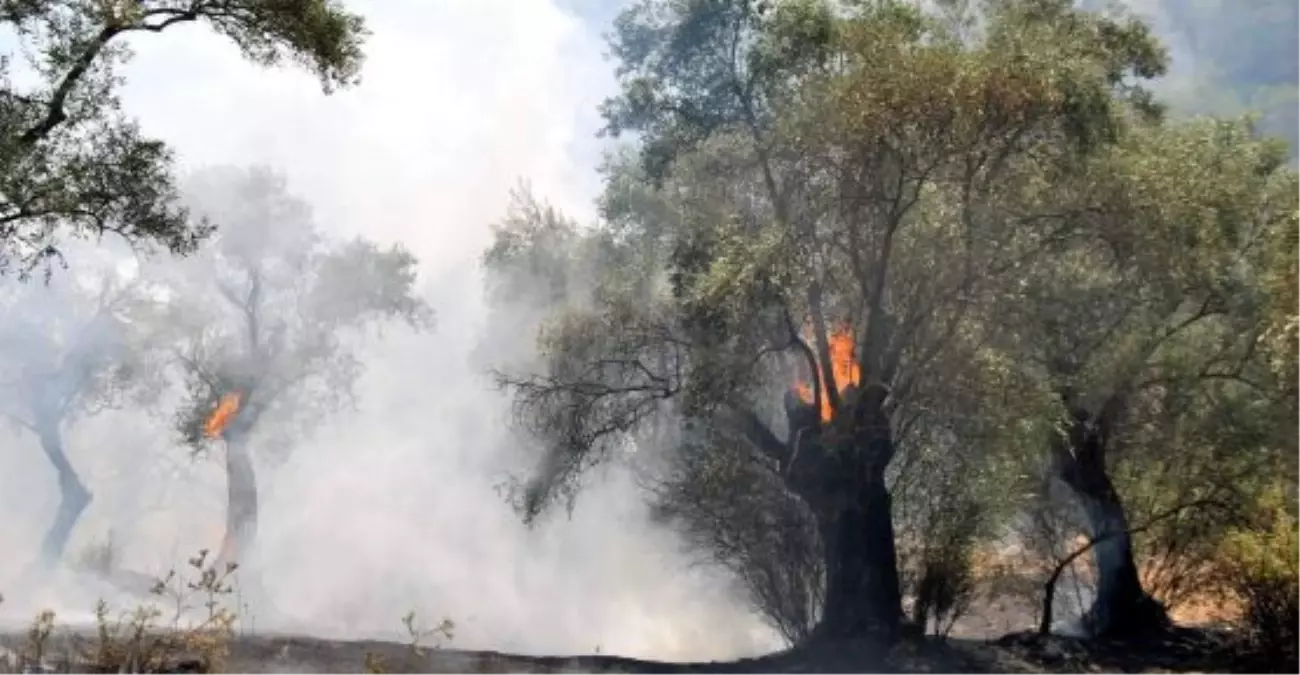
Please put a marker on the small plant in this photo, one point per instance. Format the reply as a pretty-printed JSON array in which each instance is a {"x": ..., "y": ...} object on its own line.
[
  {"x": 38, "y": 637},
  {"x": 374, "y": 663},
  {"x": 377, "y": 665},
  {"x": 136, "y": 641},
  {"x": 1260, "y": 567},
  {"x": 416, "y": 634}
]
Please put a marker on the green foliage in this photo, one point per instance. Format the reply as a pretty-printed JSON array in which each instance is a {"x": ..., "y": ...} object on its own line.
[
  {"x": 74, "y": 347},
  {"x": 73, "y": 164},
  {"x": 273, "y": 309},
  {"x": 1260, "y": 564},
  {"x": 692, "y": 68},
  {"x": 146, "y": 639},
  {"x": 987, "y": 200},
  {"x": 535, "y": 256}
]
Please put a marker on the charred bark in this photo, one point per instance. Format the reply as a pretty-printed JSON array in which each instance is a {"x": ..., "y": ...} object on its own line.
[
  {"x": 1121, "y": 606},
  {"x": 839, "y": 472},
  {"x": 862, "y": 590},
  {"x": 241, "y": 502},
  {"x": 73, "y": 495}
]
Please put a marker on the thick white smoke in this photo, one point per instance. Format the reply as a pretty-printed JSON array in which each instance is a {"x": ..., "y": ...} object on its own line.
[{"x": 392, "y": 507}]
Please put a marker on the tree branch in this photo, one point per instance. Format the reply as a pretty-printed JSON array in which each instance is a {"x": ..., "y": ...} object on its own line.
[
  {"x": 757, "y": 432},
  {"x": 55, "y": 113},
  {"x": 1049, "y": 587}
]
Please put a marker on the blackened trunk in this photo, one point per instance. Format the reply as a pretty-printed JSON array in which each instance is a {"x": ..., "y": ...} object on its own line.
[
  {"x": 862, "y": 590},
  {"x": 241, "y": 502},
  {"x": 841, "y": 477},
  {"x": 1121, "y": 606},
  {"x": 73, "y": 495}
]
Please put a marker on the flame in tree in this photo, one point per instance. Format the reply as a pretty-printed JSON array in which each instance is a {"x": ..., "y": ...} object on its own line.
[
  {"x": 214, "y": 427},
  {"x": 843, "y": 366},
  {"x": 222, "y": 415}
]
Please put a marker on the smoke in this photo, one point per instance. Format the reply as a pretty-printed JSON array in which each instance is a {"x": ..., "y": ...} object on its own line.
[
  {"x": 1228, "y": 58},
  {"x": 391, "y": 507}
]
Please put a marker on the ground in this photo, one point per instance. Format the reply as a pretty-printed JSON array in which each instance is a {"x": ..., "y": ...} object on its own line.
[{"x": 1182, "y": 650}]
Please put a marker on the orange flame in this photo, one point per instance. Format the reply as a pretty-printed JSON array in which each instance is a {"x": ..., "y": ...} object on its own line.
[
  {"x": 222, "y": 415},
  {"x": 843, "y": 366}
]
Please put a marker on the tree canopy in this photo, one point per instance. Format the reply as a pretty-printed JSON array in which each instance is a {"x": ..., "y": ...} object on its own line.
[
  {"x": 867, "y": 234},
  {"x": 268, "y": 321},
  {"x": 73, "y": 163}
]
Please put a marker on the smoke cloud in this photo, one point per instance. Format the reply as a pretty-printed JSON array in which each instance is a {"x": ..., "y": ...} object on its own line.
[{"x": 394, "y": 506}]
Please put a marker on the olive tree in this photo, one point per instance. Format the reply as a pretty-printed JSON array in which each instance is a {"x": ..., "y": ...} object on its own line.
[
  {"x": 72, "y": 164},
  {"x": 1150, "y": 322},
  {"x": 846, "y": 187},
  {"x": 271, "y": 317},
  {"x": 68, "y": 350}
]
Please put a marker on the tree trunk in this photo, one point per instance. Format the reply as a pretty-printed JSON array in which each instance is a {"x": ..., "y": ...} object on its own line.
[
  {"x": 241, "y": 502},
  {"x": 862, "y": 590},
  {"x": 841, "y": 476},
  {"x": 73, "y": 495},
  {"x": 1121, "y": 606}
]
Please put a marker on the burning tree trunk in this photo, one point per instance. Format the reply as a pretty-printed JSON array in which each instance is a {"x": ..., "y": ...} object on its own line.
[
  {"x": 1121, "y": 605},
  {"x": 73, "y": 495},
  {"x": 838, "y": 469},
  {"x": 241, "y": 477}
]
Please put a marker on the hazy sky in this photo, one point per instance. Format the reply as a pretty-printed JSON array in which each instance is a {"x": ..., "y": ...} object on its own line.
[{"x": 459, "y": 99}]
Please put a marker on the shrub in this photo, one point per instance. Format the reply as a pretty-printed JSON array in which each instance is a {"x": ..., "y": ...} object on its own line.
[
  {"x": 137, "y": 641},
  {"x": 1260, "y": 566}
]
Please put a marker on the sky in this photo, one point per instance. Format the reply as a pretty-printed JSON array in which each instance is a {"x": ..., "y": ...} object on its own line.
[{"x": 392, "y": 507}]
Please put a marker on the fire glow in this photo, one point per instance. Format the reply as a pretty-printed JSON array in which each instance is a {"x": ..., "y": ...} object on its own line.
[
  {"x": 222, "y": 415},
  {"x": 843, "y": 365}
]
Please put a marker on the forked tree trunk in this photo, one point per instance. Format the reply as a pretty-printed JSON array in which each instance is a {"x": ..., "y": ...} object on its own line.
[
  {"x": 1121, "y": 606},
  {"x": 73, "y": 495},
  {"x": 241, "y": 502}
]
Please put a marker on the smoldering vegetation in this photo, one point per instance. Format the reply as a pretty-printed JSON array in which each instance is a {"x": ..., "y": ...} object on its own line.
[
  {"x": 885, "y": 331},
  {"x": 379, "y": 449}
]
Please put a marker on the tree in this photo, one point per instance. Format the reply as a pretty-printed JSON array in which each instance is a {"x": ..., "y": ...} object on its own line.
[
  {"x": 1151, "y": 320},
  {"x": 848, "y": 188},
  {"x": 72, "y": 164},
  {"x": 71, "y": 349},
  {"x": 1281, "y": 343},
  {"x": 269, "y": 321}
]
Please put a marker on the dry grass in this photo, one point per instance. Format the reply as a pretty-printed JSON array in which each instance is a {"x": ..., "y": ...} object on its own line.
[
  {"x": 171, "y": 635},
  {"x": 188, "y": 626},
  {"x": 1016, "y": 574}
]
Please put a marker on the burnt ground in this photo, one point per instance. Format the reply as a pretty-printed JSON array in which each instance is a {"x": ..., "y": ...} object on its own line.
[
  {"x": 1181, "y": 650},
  {"x": 990, "y": 640},
  {"x": 1184, "y": 650}
]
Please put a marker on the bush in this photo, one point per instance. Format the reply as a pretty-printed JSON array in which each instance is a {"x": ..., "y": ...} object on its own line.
[
  {"x": 1261, "y": 568},
  {"x": 188, "y": 638},
  {"x": 944, "y": 507}
]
